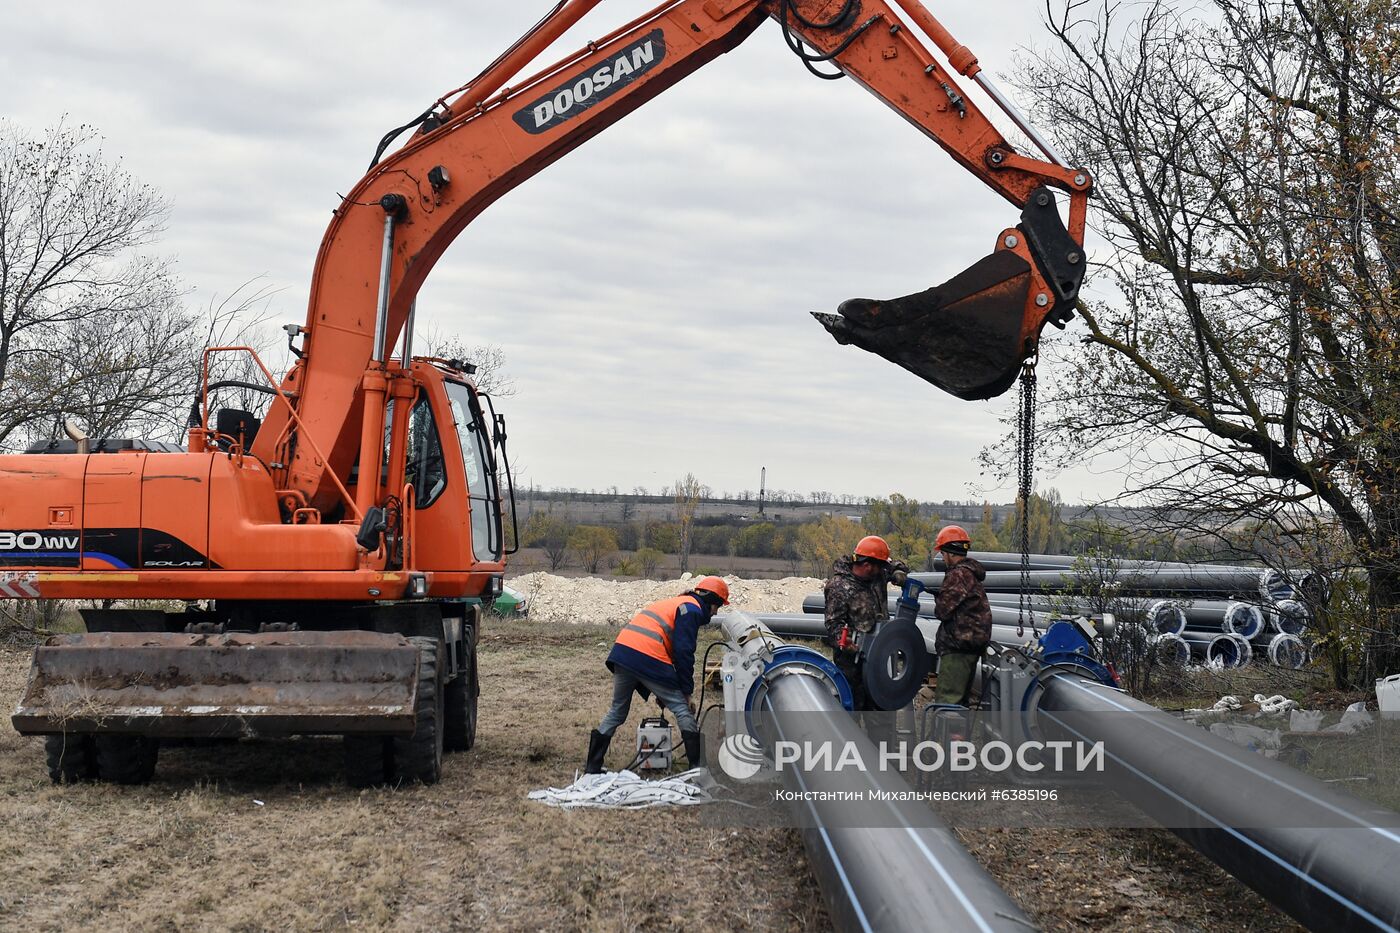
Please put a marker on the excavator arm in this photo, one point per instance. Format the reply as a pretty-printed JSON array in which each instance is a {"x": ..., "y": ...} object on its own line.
[{"x": 968, "y": 336}]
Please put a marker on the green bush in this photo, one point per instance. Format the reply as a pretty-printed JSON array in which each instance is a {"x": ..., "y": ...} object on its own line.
[
  {"x": 664, "y": 536},
  {"x": 647, "y": 560}
]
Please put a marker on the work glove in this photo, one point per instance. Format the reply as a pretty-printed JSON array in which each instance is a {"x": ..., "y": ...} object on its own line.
[{"x": 899, "y": 572}]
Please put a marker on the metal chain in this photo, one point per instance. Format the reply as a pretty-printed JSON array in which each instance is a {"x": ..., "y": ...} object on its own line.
[{"x": 1025, "y": 478}]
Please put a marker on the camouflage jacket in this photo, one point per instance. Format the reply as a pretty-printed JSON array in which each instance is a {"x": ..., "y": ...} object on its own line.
[
  {"x": 851, "y": 602},
  {"x": 965, "y": 617}
]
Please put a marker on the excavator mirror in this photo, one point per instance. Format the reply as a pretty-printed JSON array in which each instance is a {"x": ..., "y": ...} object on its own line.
[
  {"x": 374, "y": 524},
  {"x": 237, "y": 424}
]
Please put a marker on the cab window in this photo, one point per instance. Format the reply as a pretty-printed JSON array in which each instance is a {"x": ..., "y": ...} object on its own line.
[
  {"x": 425, "y": 468},
  {"x": 481, "y": 473}
]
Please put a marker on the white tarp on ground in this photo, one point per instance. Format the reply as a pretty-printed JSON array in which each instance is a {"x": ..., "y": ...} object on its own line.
[{"x": 626, "y": 790}]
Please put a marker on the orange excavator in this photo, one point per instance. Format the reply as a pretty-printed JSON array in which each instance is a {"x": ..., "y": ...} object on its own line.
[{"x": 322, "y": 569}]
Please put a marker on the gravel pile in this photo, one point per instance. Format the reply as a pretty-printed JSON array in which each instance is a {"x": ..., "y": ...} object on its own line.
[{"x": 593, "y": 601}]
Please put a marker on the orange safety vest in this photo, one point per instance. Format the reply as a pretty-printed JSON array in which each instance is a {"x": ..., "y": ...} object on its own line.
[{"x": 651, "y": 628}]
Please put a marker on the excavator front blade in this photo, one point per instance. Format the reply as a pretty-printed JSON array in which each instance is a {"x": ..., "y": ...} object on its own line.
[
  {"x": 964, "y": 336},
  {"x": 166, "y": 684}
]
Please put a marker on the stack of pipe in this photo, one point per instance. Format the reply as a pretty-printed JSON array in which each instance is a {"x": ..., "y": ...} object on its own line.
[{"x": 1225, "y": 615}]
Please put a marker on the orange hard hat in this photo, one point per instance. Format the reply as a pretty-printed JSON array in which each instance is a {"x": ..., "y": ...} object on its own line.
[
  {"x": 952, "y": 534},
  {"x": 873, "y": 547},
  {"x": 715, "y": 586}
]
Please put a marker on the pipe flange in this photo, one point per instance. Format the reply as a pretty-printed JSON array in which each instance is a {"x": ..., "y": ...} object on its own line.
[
  {"x": 804, "y": 662},
  {"x": 1030, "y": 700}
]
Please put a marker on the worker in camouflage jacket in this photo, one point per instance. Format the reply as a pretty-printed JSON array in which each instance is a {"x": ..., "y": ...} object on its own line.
[
  {"x": 964, "y": 616},
  {"x": 856, "y": 601}
]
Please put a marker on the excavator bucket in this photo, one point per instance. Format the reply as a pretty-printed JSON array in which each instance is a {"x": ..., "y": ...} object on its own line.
[
  {"x": 970, "y": 335},
  {"x": 964, "y": 336},
  {"x": 166, "y": 684}
]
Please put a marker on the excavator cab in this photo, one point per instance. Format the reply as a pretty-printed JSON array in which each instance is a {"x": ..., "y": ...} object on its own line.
[{"x": 451, "y": 477}]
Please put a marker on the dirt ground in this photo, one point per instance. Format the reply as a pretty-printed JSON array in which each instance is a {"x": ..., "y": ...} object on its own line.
[{"x": 264, "y": 836}]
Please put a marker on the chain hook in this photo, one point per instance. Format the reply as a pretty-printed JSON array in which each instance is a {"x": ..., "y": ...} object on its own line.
[{"x": 1025, "y": 478}]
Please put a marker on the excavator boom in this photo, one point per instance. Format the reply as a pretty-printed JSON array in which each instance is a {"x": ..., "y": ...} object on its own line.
[{"x": 967, "y": 336}]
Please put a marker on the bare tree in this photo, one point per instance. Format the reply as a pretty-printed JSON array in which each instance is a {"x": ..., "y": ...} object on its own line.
[
  {"x": 120, "y": 378},
  {"x": 489, "y": 360},
  {"x": 89, "y": 324},
  {"x": 550, "y": 533},
  {"x": 1248, "y": 185},
  {"x": 688, "y": 493},
  {"x": 243, "y": 319}
]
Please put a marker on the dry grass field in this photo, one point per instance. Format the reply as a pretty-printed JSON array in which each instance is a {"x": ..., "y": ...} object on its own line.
[{"x": 266, "y": 836}]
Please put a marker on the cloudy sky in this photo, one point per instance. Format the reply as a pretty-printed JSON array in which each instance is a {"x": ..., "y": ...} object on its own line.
[{"x": 650, "y": 291}]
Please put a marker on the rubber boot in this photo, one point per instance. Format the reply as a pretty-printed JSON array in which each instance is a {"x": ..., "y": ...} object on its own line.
[
  {"x": 695, "y": 757},
  {"x": 597, "y": 751}
]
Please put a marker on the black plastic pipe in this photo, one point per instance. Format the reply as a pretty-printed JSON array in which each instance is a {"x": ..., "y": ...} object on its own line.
[
  {"x": 1010, "y": 560},
  {"x": 1201, "y": 614},
  {"x": 909, "y": 872},
  {"x": 1002, "y": 614},
  {"x": 1221, "y": 648},
  {"x": 807, "y": 625},
  {"x": 1333, "y": 867},
  {"x": 1186, "y": 581}
]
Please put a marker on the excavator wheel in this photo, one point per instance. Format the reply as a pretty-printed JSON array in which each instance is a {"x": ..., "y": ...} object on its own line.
[
  {"x": 126, "y": 759},
  {"x": 71, "y": 757},
  {"x": 367, "y": 760},
  {"x": 459, "y": 705},
  {"x": 418, "y": 757}
]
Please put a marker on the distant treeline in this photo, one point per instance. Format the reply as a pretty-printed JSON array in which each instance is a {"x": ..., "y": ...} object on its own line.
[
  {"x": 618, "y": 507},
  {"x": 628, "y": 541}
]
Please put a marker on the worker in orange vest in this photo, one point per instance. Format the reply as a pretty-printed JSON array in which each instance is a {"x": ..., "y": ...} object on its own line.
[{"x": 654, "y": 654}]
